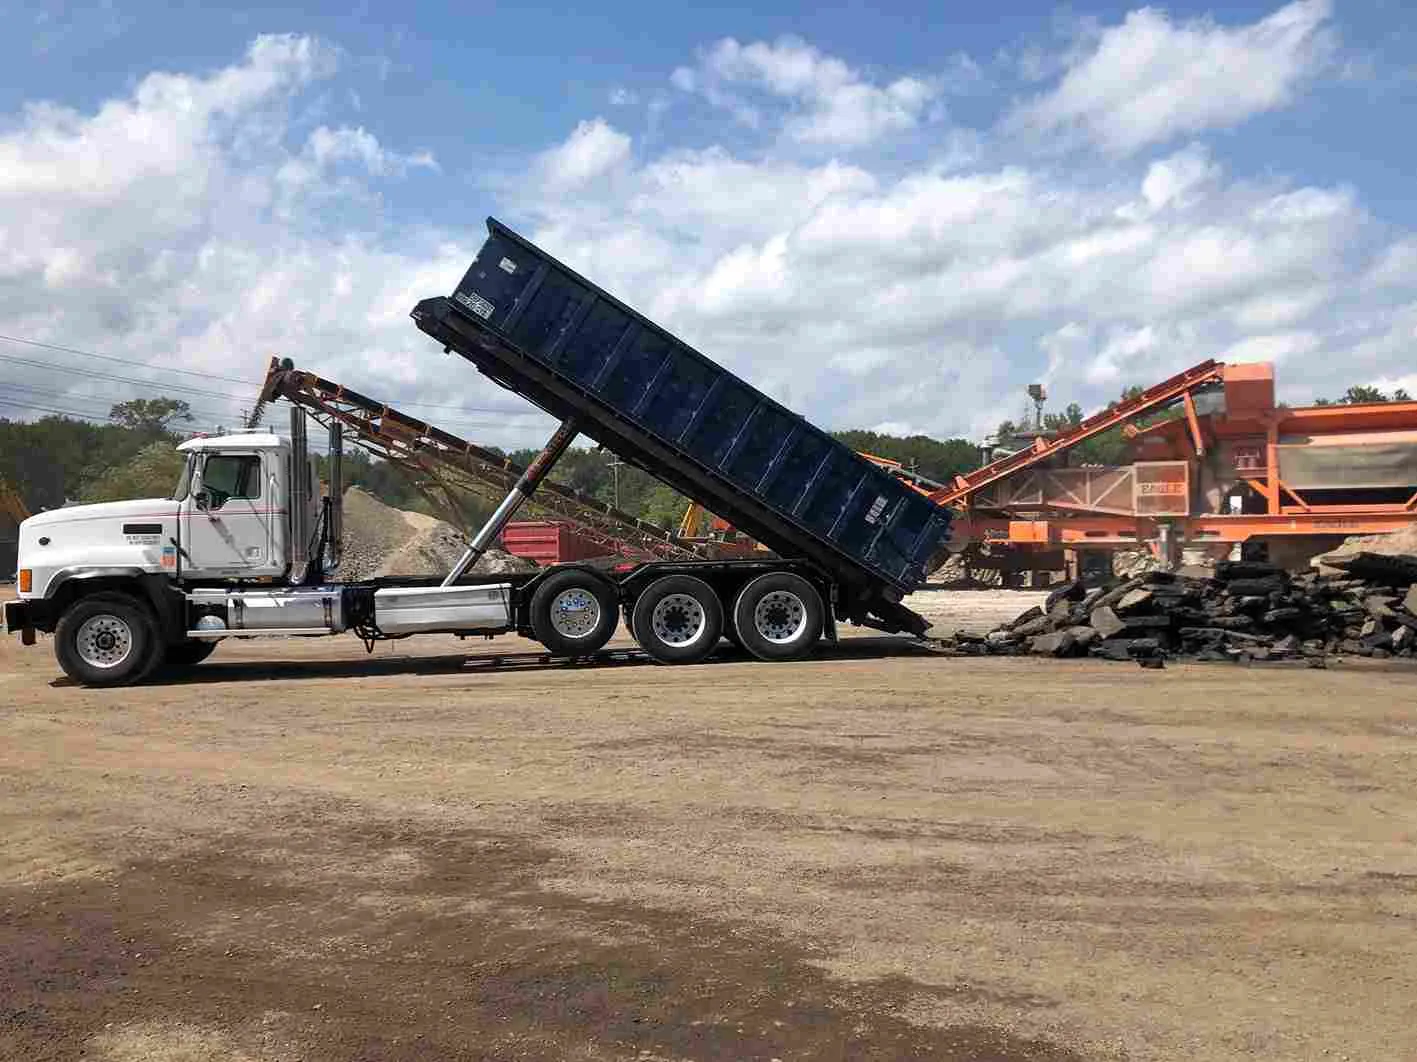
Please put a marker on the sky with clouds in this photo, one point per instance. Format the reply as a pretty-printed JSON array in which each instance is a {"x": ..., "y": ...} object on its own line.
[{"x": 888, "y": 218}]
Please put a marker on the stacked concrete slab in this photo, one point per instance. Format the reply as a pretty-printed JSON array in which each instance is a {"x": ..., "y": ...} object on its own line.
[{"x": 1242, "y": 611}]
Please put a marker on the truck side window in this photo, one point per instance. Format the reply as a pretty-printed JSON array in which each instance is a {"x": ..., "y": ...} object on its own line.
[
  {"x": 227, "y": 476},
  {"x": 184, "y": 481}
]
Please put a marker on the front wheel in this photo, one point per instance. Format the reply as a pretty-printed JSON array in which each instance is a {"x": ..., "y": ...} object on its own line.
[
  {"x": 779, "y": 616},
  {"x": 678, "y": 619},
  {"x": 106, "y": 640},
  {"x": 573, "y": 612}
]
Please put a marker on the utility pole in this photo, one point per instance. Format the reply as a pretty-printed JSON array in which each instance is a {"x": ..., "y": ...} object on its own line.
[
  {"x": 615, "y": 464},
  {"x": 1039, "y": 394}
]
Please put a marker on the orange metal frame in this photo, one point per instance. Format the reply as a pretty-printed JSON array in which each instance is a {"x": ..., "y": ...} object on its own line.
[
  {"x": 1288, "y": 512},
  {"x": 1109, "y": 532},
  {"x": 1042, "y": 449}
]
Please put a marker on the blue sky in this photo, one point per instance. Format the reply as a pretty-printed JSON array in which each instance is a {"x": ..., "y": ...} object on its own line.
[{"x": 890, "y": 217}]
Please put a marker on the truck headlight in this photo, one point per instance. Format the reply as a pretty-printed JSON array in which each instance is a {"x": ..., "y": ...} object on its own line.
[{"x": 26, "y": 580}]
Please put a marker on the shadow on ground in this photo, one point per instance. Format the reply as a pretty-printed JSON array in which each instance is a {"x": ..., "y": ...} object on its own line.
[
  {"x": 393, "y": 943},
  {"x": 245, "y": 670}
]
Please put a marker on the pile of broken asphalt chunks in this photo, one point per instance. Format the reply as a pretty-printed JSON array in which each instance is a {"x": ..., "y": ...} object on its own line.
[{"x": 1244, "y": 611}]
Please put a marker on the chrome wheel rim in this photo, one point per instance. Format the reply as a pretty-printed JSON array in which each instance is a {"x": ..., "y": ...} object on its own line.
[
  {"x": 780, "y": 617},
  {"x": 678, "y": 620},
  {"x": 575, "y": 613},
  {"x": 104, "y": 641}
]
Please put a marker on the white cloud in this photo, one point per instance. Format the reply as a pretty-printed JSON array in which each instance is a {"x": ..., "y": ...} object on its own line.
[
  {"x": 1175, "y": 179},
  {"x": 1123, "y": 347},
  {"x": 1150, "y": 80},
  {"x": 1397, "y": 267},
  {"x": 1278, "y": 307},
  {"x": 174, "y": 225},
  {"x": 327, "y": 150},
  {"x": 623, "y": 97},
  {"x": 593, "y": 149},
  {"x": 836, "y": 105},
  {"x": 1277, "y": 347}
]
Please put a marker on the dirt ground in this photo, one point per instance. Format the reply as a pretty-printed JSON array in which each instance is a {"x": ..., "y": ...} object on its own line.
[
  {"x": 972, "y": 610},
  {"x": 299, "y": 852}
]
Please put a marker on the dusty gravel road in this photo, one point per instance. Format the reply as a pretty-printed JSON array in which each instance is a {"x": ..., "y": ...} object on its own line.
[{"x": 301, "y": 853}]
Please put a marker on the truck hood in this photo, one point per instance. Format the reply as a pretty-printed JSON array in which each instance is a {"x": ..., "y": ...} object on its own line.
[
  {"x": 142, "y": 508},
  {"x": 114, "y": 537}
]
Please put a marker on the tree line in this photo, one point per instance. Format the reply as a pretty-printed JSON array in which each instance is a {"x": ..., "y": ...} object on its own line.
[{"x": 58, "y": 459}]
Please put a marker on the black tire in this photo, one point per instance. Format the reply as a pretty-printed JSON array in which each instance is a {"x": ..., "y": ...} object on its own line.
[
  {"x": 779, "y": 616},
  {"x": 678, "y": 619},
  {"x": 574, "y": 612},
  {"x": 189, "y": 653},
  {"x": 107, "y": 640}
]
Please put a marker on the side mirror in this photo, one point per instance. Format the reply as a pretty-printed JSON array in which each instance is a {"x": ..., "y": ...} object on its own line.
[{"x": 202, "y": 500}]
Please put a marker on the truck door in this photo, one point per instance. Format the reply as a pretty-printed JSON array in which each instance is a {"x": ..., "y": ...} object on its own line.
[{"x": 227, "y": 517}]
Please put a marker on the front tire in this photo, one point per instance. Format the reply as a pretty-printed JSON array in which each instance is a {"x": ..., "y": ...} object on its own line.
[
  {"x": 106, "y": 640},
  {"x": 779, "y": 616},
  {"x": 574, "y": 612},
  {"x": 678, "y": 619}
]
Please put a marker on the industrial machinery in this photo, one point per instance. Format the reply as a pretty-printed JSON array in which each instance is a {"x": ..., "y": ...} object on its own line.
[
  {"x": 13, "y": 512},
  {"x": 446, "y": 469},
  {"x": 242, "y": 545},
  {"x": 1216, "y": 462}
]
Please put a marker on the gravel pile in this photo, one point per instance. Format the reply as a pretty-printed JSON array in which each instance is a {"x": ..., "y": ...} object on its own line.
[
  {"x": 372, "y": 532},
  {"x": 380, "y": 541},
  {"x": 1245, "y": 611}
]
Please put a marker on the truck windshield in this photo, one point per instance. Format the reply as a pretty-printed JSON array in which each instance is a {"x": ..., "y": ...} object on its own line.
[{"x": 184, "y": 482}]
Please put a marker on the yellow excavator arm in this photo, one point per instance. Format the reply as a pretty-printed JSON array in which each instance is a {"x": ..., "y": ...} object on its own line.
[{"x": 12, "y": 504}]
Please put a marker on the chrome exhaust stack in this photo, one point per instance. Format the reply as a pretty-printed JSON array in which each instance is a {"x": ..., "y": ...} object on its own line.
[
  {"x": 299, "y": 497},
  {"x": 334, "y": 500}
]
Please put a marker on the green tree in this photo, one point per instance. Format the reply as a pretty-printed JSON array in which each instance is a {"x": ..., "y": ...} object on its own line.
[
  {"x": 150, "y": 473},
  {"x": 663, "y": 506},
  {"x": 151, "y": 416},
  {"x": 1365, "y": 394},
  {"x": 49, "y": 460},
  {"x": 933, "y": 458},
  {"x": 1111, "y": 447},
  {"x": 1362, "y": 395},
  {"x": 1065, "y": 421}
]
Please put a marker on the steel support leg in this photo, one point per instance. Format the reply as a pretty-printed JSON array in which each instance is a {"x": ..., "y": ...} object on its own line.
[{"x": 525, "y": 487}]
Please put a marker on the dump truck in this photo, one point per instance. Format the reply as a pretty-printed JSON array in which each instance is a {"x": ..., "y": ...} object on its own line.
[{"x": 244, "y": 544}]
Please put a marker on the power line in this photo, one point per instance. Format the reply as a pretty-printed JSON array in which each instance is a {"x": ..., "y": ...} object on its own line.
[
  {"x": 206, "y": 417},
  {"x": 194, "y": 372},
  {"x": 125, "y": 361},
  {"x": 78, "y": 415},
  {"x": 71, "y": 371},
  {"x": 209, "y": 417},
  {"x": 100, "y": 400}
]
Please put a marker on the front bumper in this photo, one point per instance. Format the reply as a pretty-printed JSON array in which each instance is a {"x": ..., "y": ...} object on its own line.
[{"x": 20, "y": 618}]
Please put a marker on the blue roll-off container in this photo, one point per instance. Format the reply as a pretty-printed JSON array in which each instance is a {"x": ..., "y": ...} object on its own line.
[{"x": 546, "y": 332}]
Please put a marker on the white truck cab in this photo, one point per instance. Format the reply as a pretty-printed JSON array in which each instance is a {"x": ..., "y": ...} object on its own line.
[
  {"x": 227, "y": 518},
  {"x": 233, "y": 507}
]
